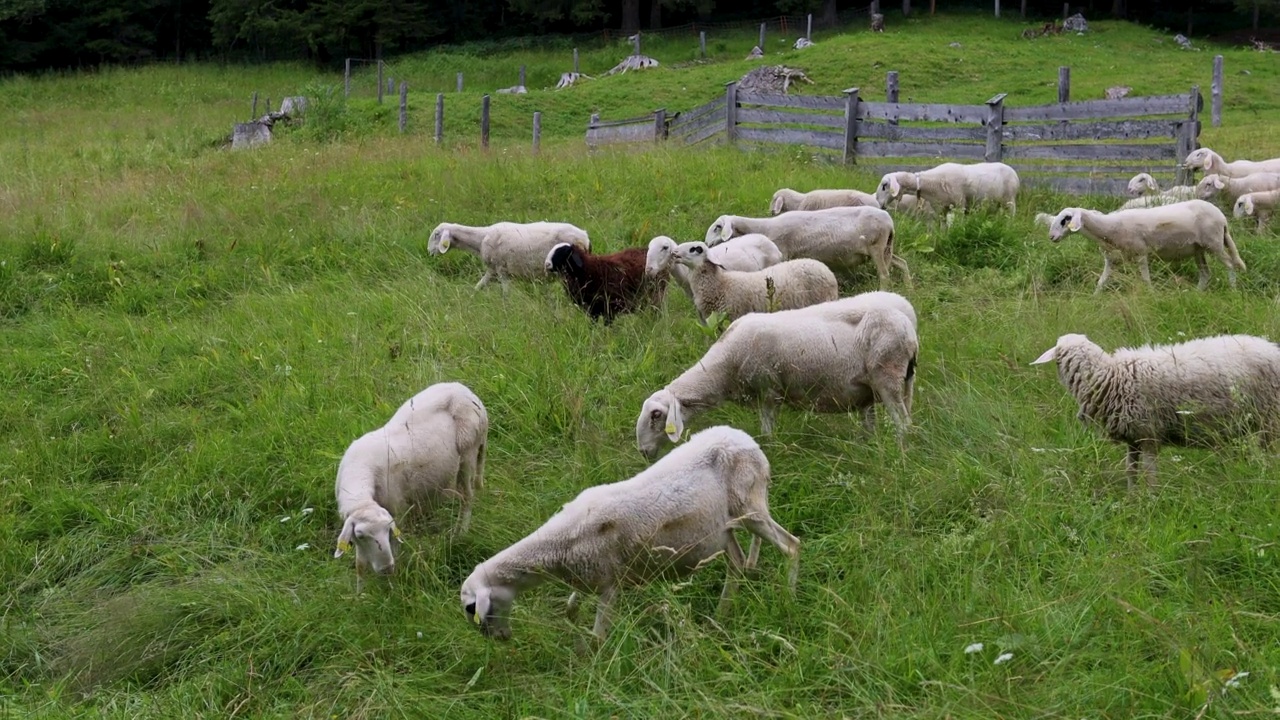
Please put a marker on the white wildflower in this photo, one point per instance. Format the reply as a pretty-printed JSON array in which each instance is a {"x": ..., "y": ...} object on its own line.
[
  {"x": 974, "y": 648},
  {"x": 308, "y": 511},
  {"x": 1234, "y": 682},
  {"x": 303, "y": 546},
  {"x": 1004, "y": 658},
  {"x": 286, "y": 518}
]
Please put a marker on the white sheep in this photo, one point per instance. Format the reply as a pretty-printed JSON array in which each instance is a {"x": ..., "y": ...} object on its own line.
[
  {"x": 1257, "y": 204},
  {"x": 1144, "y": 184},
  {"x": 433, "y": 447},
  {"x": 1170, "y": 232},
  {"x": 1147, "y": 201},
  {"x": 838, "y": 237},
  {"x": 908, "y": 202},
  {"x": 786, "y": 286},
  {"x": 952, "y": 185},
  {"x": 1199, "y": 392},
  {"x": 787, "y": 199},
  {"x": 507, "y": 249},
  {"x": 666, "y": 522},
  {"x": 1232, "y": 188},
  {"x": 1211, "y": 162},
  {"x": 745, "y": 253},
  {"x": 839, "y": 356}
]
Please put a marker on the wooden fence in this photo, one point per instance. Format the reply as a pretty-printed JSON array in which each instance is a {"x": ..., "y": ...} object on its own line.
[{"x": 1091, "y": 146}]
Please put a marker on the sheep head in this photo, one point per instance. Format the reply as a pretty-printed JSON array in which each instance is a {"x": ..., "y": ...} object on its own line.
[
  {"x": 487, "y": 606},
  {"x": 661, "y": 417},
  {"x": 1209, "y": 186},
  {"x": 1142, "y": 183},
  {"x": 1202, "y": 158},
  {"x": 779, "y": 203},
  {"x": 720, "y": 231},
  {"x": 440, "y": 240},
  {"x": 1069, "y": 220},
  {"x": 565, "y": 259},
  {"x": 889, "y": 189},
  {"x": 372, "y": 531},
  {"x": 658, "y": 259},
  {"x": 690, "y": 254},
  {"x": 1244, "y": 206}
]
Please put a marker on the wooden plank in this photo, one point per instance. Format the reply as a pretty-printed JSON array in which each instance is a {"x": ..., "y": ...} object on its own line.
[
  {"x": 697, "y": 125},
  {"x": 620, "y": 123},
  {"x": 1165, "y": 174},
  {"x": 709, "y": 131},
  {"x": 699, "y": 112},
  {"x": 931, "y": 112},
  {"x": 812, "y": 102},
  {"x": 1101, "y": 109},
  {"x": 1113, "y": 151},
  {"x": 833, "y": 141},
  {"x": 879, "y": 148},
  {"x": 781, "y": 117},
  {"x": 888, "y": 131},
  {"x": 1082, "y": 186},
  {"x": 620, "y": 134},
  {"x": 1104, "y": 130}
]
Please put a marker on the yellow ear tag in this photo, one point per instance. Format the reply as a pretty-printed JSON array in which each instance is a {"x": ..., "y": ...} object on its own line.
[
  {"x": 395, "y": 531},
  {"x": 444, "y": 244},
  {"x": 344, "y": 545},
  {"x": 670, "y": 429},
  {"x": 476, "y": 619},
  {"x": 1075, "y": 224}
]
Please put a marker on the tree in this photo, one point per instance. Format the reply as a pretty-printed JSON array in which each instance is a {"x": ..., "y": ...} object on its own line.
[{"x": 630, "y": 17}]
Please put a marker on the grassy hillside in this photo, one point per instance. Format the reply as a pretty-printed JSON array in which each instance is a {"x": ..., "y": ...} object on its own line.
[{"x": 191, "y": 338}]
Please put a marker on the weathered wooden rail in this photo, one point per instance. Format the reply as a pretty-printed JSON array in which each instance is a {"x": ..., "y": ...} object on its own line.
[{"x": 1091, "y": 146}]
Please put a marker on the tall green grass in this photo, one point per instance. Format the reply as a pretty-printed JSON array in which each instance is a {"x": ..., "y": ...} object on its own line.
[{"x": 193, "y": 336}]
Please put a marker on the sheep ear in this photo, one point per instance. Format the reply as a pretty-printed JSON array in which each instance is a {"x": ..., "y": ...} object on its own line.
[
  {"x": 344, "y": 537},
  {"x": 1076, "y": 223},
  {"x": 726, "y": 229},
  {"x": 445, "y": 242},
  {"x": 1217, "y": 183},
  {"x": 1049, "y": 356},
  {"x": 482, "y": 607},
  {"x": 776, "y": 206},
  {"x": 675, "y": 422},
  {"x": 575, "y": 259},
  {"x": 1208, "y": 164},
  {"x": 395, "y": 532},
  {"x": 894, "y": 188}
]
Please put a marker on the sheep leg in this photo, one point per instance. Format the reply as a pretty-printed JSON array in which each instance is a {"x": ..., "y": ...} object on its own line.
[
  {"x": 882, "y": 268},
  {"x": 869, "y": 419},
  {"x": 1149, "y": 449},
  {"x": 1203, "y": 265},
  {"x": 1225, "y": 257},
  {"x": 902, "y": 265},
  {"x": 753, "y": 553},
  {"x": 479, "y": 481},
  {"x": 603, "y": 606},
  {"x": 762, "y": 525},
  {"x": 768, "y": 412},
  {"x": 734, "y": 564},
  {"x": 891, "y": 396},
  {"x": 571, "y": 607},
  {"x": 1106, "y": 273},
  {"x": 484, "y": 279},
  {"x": 1131, "y": 457},
  {"x": 466, "y": 480},
  {"x": 506, "y": 283},
  {"x": 1144, "y": 268}
]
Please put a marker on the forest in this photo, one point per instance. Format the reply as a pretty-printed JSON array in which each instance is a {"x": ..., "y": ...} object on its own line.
[{"x": 58, "y": 34}]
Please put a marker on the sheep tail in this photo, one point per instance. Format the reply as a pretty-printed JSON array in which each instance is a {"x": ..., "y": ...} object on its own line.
[
  {"x": 911, "y": 369},
  {"x": 888, "y": 248},
  {"x": 1231, "y": 248}
]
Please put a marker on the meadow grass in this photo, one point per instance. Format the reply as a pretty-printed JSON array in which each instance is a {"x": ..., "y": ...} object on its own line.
[{"x": 192, "y": 337}]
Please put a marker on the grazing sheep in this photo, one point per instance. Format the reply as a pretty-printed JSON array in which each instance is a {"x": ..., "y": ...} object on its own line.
[
  {"x": 1147, "y": 201},
  {"x": 835, "y": 357},
  {"x": 1199, "y": 392},
  {"x": 433, "y": 447},
  {"x": 909, "y": 203},
  {"x": 605, "y": 286},
  {"x": 1170, "y": 232},
  {"x": 1211, "y": 162},
  {"x": 665, "y": 523},
  {"x": 1232, "y": 188},
  {"x": 788, "y": 199},
  {"x": 785, "y": 286},
  {"x": 951, "y": 185},
  {"x": 508, "y": 250},
  {"x": 1144, "y": 184},
  {"x": 745, "y": 253},
  {"x": 838, "y": 237},
  {"x": 1257, "y": 204}
]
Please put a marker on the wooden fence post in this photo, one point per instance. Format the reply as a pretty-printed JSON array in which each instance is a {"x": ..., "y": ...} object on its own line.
[
  {"x": 659, "y": 124},
  {"x": 591, "y": 124},
  {"x": 1064, "y": 84},
  {"x": 1188, "y": 138},
  {"x": 995, "y": 128},
  {"x": 997, "y": 8},
  {"x": 254, "y": 114},
  {"x": 851, "y": 126},
  {"x": 1066, "y": 10},
  {"x": 808, "y": 27},
  {"x": 346, "y": 79},
  {"x": 537, "y": 129},
  {"x": 439, "y": 117},
  {"x": 404, "y": 104},
  {"x": 875, "y": 6},
  {"x": 575, "y": 61},
  {"x": 1215, "y": 91},
  {"x": 702, "y": 43},
  {"x": 731, "y": 112},
  {"x": 762, "y": 37},
  {"x": 379, "y": 82},
  {"x": 891, "y": 90},
  {"x": 484, "y": 121},
  {"x": 521, "y": 76},
  {"x": 637, "y": 43},
  {"x": 906, "y": 7},
  {"x": 459, "y": 82},
  {"x": 1024, "y": 8}
]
